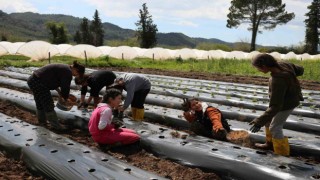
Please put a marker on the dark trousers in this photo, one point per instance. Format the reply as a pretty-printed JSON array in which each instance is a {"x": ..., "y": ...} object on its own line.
[
  {"x": 42, "y": 95},
  {"x": 139, "y": 98}
]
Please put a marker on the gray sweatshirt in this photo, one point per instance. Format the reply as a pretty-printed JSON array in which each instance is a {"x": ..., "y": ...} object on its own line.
[{"x": 133, "y": 83}]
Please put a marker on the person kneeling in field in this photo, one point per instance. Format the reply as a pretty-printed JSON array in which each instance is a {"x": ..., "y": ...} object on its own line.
[
  {"x": 101, "y": 126},
  {"x": 205, "y": 120}
]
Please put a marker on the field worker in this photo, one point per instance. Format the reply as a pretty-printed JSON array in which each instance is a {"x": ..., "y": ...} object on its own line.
[
  {"x": 285, "y": 95},
  {"x": 96, "y": 81},
  {"x": 101, "y": 127},
  {"x": 52, "y": 77},
  {"x": 137, "y": 87},
  {"x": 205, "y": 120}
]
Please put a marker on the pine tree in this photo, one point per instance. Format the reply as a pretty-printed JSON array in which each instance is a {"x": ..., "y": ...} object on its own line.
[
  {"x": 267, "y": 13},
  {"x": 77, "y": 37},
  {"x": 147, "y": 31},
  {"x": 312, "y": 27},
  {"x": 86, "y": 37},
  {"x": 97, "y": 30}
]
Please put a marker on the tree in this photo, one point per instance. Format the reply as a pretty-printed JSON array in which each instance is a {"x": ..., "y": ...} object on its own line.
[
  {"x": 312, "y": 25},
  {"x": 58, "y": 32},
  {"x": 147, "y": 31},
  {"x": 97, "y": 30},
  {"x": 86, "y": 37},
  {"x": 77, "y": 37},
  {"x": 267, "y": 13}
]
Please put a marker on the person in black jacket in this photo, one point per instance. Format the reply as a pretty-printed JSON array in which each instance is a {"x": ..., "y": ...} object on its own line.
[
  {"x": 52, "y": 77},
  {"x": 96, "y": 81}
]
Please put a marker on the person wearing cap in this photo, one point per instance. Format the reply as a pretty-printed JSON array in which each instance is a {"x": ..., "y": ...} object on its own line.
[
  {"x": 137, "y": 87},
  {"x": 52, "y": 77},
  {"x": 96, "y": 81}
]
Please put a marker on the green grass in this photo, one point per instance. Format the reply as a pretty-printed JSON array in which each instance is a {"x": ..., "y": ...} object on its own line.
[{"x": 217, "y": 66}]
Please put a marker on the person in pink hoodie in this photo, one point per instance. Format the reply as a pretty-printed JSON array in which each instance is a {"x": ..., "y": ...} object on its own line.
[{"x": 101, "y": 127}]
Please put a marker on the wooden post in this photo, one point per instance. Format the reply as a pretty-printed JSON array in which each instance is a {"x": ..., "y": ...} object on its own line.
[
  {"x": 85, "y": 56},
  {"x": 153, "y": 56},
  {"x": 49, "y": 58},
  {"x": 122, "y": 56}
]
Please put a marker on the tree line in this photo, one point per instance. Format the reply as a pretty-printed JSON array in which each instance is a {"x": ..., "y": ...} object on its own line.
[{"x": 260, "y": 15}]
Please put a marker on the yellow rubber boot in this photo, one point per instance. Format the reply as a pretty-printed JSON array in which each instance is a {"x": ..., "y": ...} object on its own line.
[
  {"x": 268, "y": 144},
  {"x": 139, "y": 115},
  {"x": 281, "y": 146},
  {"x": 133, "y": 112}
]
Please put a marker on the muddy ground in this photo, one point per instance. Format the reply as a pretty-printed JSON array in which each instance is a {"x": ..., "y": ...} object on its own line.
[{"x": 10, "y": 169}]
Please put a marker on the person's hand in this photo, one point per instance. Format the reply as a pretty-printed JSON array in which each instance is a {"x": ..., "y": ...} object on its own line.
[
  {"x": 255, "y": 128},
  {"x": 83, "y": 104},
  {"x": 117, "y": 124},
  {"x": 120, "y": 109},
  {"x": 221, "y": 134},
  {"x": 189, "y": 116}
]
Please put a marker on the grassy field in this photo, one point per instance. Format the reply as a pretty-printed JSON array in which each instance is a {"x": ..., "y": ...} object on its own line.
[{"x": 225, "y": 66}]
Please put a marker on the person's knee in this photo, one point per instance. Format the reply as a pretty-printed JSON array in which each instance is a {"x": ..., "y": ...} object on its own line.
[{"x": 276, "y": 131}]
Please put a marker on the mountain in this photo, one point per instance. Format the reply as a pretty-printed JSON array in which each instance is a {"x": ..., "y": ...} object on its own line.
[{"x": 31, "y": 26}]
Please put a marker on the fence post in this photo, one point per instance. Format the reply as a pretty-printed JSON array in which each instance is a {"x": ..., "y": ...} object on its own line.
[
  {"x": 122, "y": 56},
  {"x": 153, "y": 56},
  {"x": 49, "y": 58},
  {"x": 85, "y": 56}
]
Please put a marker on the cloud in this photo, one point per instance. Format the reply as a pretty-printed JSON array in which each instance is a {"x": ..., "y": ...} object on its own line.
[
  {"x": 185, "y": 23},
  {"x": 10, "y": 6}
]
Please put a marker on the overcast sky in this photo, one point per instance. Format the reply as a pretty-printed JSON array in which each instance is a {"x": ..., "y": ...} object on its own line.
[{"x": 201, "y": 18}]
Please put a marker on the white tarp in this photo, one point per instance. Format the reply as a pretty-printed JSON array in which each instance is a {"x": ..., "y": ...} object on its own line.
[
  {"x": 12, "y": 48},
  {"x": 105, "y": 50},
  {"x": 158, "y": 53},
  {"x": 236, "y": 55},
  {"x": 252, "y": 54},
  {"x": 185, "y": 53},
  {"x": 276, "y": 55},
  {"x": 123, "y": 52},
  {"x": 305, "y": 56},
  {"x": 38, "y": 50},
  {"x": 63, "y": 48},
  {"x": 290, "y": 55},
  {"x": 81, "y": 50},
  {"x": 3, "y": 51}
]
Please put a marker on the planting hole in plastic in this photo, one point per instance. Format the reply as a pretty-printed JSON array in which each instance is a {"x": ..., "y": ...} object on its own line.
[
  {"x": 34, "y": 128},
  {"x": 71, "y": 160},
  {"x": 59, "y": 138},
  {"x": 29, "y": 139},
  {"x": 236, "y": 147},
  {"x": 210, "y": 141},
  {"x": 43, "y": 134},
  {"x": 184, "y": 143},
  {"x": 214, "y": 149},
  {"x": 86, "y": 151},
  {"x": 142, "y": 132},
  {"x": 282, "y": 167},
  {"x": 261, "y": 152},
  {"x": 91, "y": 170},
  {"x": 70, "y": 144},
  {"x": 309, "y": 164},
  {"x": 17, "y": 135},
  {"x": 54, "y": 151},
  {"x": 104, "y": 160},
  {"x": 10, "y": 130},
  {"x": 127, "y": 169},
  {"x": 41, "y": 145},
  {"x": 161, "y": 137},
  {"x": 316, "y": 176}
]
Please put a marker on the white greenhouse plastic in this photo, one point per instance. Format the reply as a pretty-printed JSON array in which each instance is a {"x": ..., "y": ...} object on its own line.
[
  {"x": 12, "y": 48},
  {"x": 140, "y": 51},
  {"x": 276, "y": 55},
  {"x": 158, "y": 53},
  {"x": 236, "y": 55},
  {"x": 315, "y": 57},
  {"x": 305, "y": 56},
  {"x": 63, "y": 48},
  {"x": 105, "y": 50},
  {"x": 217, "y": 54},
  {"x": 3, "y": 50},
  {"x": 123, "y": 52},
  {"x": 252, "y": 54},
  {"x": 38, "y": 50},
  {"x": 290, "y": 55},
  {"x": 79, "y": 51},
  {"x": 185, "y": 53}
]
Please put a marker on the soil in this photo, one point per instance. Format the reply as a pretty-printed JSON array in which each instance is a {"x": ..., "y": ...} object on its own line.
[{"x": 11, "y": 169}]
